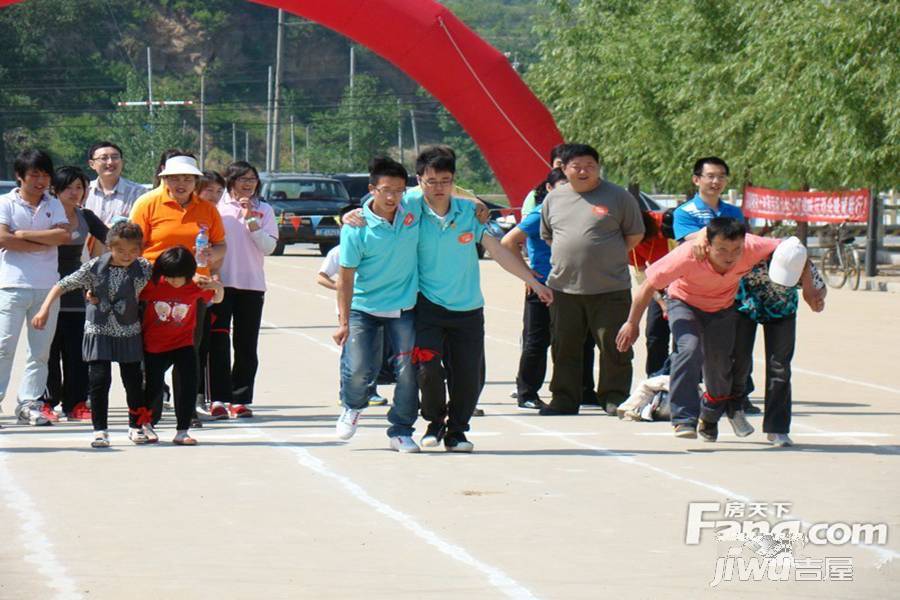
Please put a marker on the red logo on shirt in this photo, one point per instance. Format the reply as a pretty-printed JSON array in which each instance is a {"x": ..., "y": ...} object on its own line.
[
  {"x": 409, "y": 219},
  {"x": 465, "y": 238},
  {"x": 601, "y": 211}
]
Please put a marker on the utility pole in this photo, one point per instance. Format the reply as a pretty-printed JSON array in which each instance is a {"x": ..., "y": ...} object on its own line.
[
  {"x": 269, "y": 124},
  {"x": 246, "y": 146},
  {"x": 293, "y": 148},
  {"x": 202, "y": 119},
  {"x": 308, "y": 169},
  {"x": 233, "y": 142},
  {"x": 350, "y": 127},
  {"x": 412, "y": 119},
  {"x": 400, "y": 130},
  {"x": 149, "y": 83},
  {"x": 276, "y": 150}
]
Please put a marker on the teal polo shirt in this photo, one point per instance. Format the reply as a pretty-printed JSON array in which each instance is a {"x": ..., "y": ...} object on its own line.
[
  {"x": 384, "y": 256},
  {"x": 448, "y": 259}
]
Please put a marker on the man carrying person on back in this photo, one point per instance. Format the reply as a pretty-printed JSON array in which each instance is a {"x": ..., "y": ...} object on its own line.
[{"x": 701, "y": 302}]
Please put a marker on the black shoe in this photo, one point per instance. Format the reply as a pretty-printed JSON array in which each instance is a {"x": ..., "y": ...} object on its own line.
[
  {"x": 611, "y": 408},
  {"x": 456, "y": 441},
  {"x": 686, "y": 431},
  {"x": 591, "y": 400},
  {"x": 750, "y": 409},
  {"x": 196, "y": 423},
  {"x": 708, "y": 431},
  {"x": 548, "y": 410},
  {"x": 433, "y": 434},
  {"x": 478, "y": 412},
  {"x": 531, "y": 404}
]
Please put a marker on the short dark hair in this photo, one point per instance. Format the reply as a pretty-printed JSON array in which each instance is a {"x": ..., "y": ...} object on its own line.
[
  {"x": 385, "y": 166},
  {"x": 572, "y": 151},
  {"x": 553, "y": 177},
  {"x": 125, "y": 231},
  {"x": 31, "y": 159},
  {"x": 557, "y": 152},
  {"x": 209, "y": 178},
  {"x": 63, "y": 177},
  {"x": 103, "y": 144},
  {"x": 238, "y": 169},
  {"x": 439, "y": 158},
  {"x": 175, "y": 262},
  {"x": 728, "y": 228},
  {"x": 668, "y": 224},
  {"x": 709, "y": 160}
]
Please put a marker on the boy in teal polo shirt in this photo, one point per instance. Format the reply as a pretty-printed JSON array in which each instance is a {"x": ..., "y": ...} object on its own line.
[
  {"x": 449, "y": 310},
  {"x": 376, "y": 289}
]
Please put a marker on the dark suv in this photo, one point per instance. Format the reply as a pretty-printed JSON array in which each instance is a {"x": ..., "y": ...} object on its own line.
[{"x": 306, "y": 206}]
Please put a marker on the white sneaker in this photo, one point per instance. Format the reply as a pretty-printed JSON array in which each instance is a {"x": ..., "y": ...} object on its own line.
[
  {"x": 137, "y": 435},
  {"x": 740, "y": 424},
  {"x": 149, "y": 433},
  {"x": 30, "y": 414},
  {"x": 346, "y": 424},
  {"x": 780, "y": 440},
  {"x": 202, "y": 406},
  {"x": 101, "y": 440},
  {"x": 404, "y": 444}
]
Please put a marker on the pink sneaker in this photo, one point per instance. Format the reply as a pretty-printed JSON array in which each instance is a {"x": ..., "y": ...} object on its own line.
[
  {"x": 48, "y": 413},
  {"x": 80, "y": 412}
]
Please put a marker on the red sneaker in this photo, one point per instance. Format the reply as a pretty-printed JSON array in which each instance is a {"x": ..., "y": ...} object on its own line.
[
  {"x": 239, "y": 411},
  {"x": 218, "y": 411},
  {"x": 48, "y": 413},
  {"x": 80, "y": 412}
]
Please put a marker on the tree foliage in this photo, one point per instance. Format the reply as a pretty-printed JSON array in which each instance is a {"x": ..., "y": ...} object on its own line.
[{"x": 790, "y": 93}]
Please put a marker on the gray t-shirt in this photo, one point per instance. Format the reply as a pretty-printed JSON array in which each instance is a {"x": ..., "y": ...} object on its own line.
[{"x": 586, "y": 233}]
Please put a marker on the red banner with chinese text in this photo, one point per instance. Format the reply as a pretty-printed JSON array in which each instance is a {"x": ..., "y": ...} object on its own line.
[{"x": 815, "y": 207}]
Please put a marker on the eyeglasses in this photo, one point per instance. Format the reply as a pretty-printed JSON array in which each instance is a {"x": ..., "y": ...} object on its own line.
[
  {"x": 389, "y": 192},
  {"x": 435, "y": 183},
  {"x": 246, "y": 179},
  {"x": 710, "y": 177},
  {"x": 108, "y": 158}
]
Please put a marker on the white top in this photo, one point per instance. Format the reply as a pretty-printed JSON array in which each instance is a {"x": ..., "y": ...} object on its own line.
[
  {"x": 40, "y": 269},
  {"x": 116, "y": 204}
]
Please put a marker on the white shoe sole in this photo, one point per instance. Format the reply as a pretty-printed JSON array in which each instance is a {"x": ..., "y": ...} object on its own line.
[{"x": 465, "y": 448}]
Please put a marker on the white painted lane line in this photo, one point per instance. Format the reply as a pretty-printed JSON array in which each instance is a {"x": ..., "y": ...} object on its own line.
[
  {"x": 330, "y": 347},
  {"x": 884, "y": 554},
  {"x": 818, "y": 433},
  {"x": 868, "y": 384},
  {"x": 31, "y": 530},
  {"x": 497, "y": 578}
]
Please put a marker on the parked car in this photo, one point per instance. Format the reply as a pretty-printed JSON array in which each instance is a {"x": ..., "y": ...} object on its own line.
[
  {"x": 306, "y": 206},
  {"x": 7, "y": 186}
]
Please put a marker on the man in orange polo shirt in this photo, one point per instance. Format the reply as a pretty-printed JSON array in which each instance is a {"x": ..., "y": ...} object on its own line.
[{"x": 175, "y": 216}]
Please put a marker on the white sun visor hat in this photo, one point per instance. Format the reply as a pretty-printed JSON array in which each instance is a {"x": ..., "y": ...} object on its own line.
[
  {"x": 788, "y": 262},
  {"x": 181, "y": 165}
]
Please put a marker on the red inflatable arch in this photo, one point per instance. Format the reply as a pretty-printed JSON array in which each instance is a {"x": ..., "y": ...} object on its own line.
[{"x": 466, "y": 74}]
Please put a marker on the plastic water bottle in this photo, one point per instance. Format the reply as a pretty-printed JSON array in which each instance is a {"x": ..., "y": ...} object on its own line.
[{"x": 202, "y": 245}]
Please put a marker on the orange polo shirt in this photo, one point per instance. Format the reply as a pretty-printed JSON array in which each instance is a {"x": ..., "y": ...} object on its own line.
[{"x": 166, "y": 223}]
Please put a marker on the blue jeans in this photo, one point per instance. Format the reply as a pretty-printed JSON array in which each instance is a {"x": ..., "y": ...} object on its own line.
[
  {"x": 361, "y": 361},
  {"x": 17, "y": 307}
]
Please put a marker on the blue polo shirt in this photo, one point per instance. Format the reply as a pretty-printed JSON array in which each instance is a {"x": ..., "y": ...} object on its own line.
[
  {"x": 448, "y": 259},
  {"x": 384, "y": 256},
  {"x": 693, "y": 215},
  {"x": 538, "y": 249}
]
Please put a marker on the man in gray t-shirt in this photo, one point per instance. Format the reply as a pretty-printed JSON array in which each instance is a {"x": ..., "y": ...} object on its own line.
[{"x": 591, "y": 225}]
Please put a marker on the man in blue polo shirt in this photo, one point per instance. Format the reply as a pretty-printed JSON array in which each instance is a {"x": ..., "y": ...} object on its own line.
[
  {"x": 450, "y": 307},
  {"x": 711, "y": 178},
  {"x": 376, "y": 288}
]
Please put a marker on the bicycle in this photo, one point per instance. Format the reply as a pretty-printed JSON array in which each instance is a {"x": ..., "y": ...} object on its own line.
[{"x": 840, "y": 263}]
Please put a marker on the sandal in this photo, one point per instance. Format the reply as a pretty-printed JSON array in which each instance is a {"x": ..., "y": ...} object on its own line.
[{"x": 101, "y": 440}]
